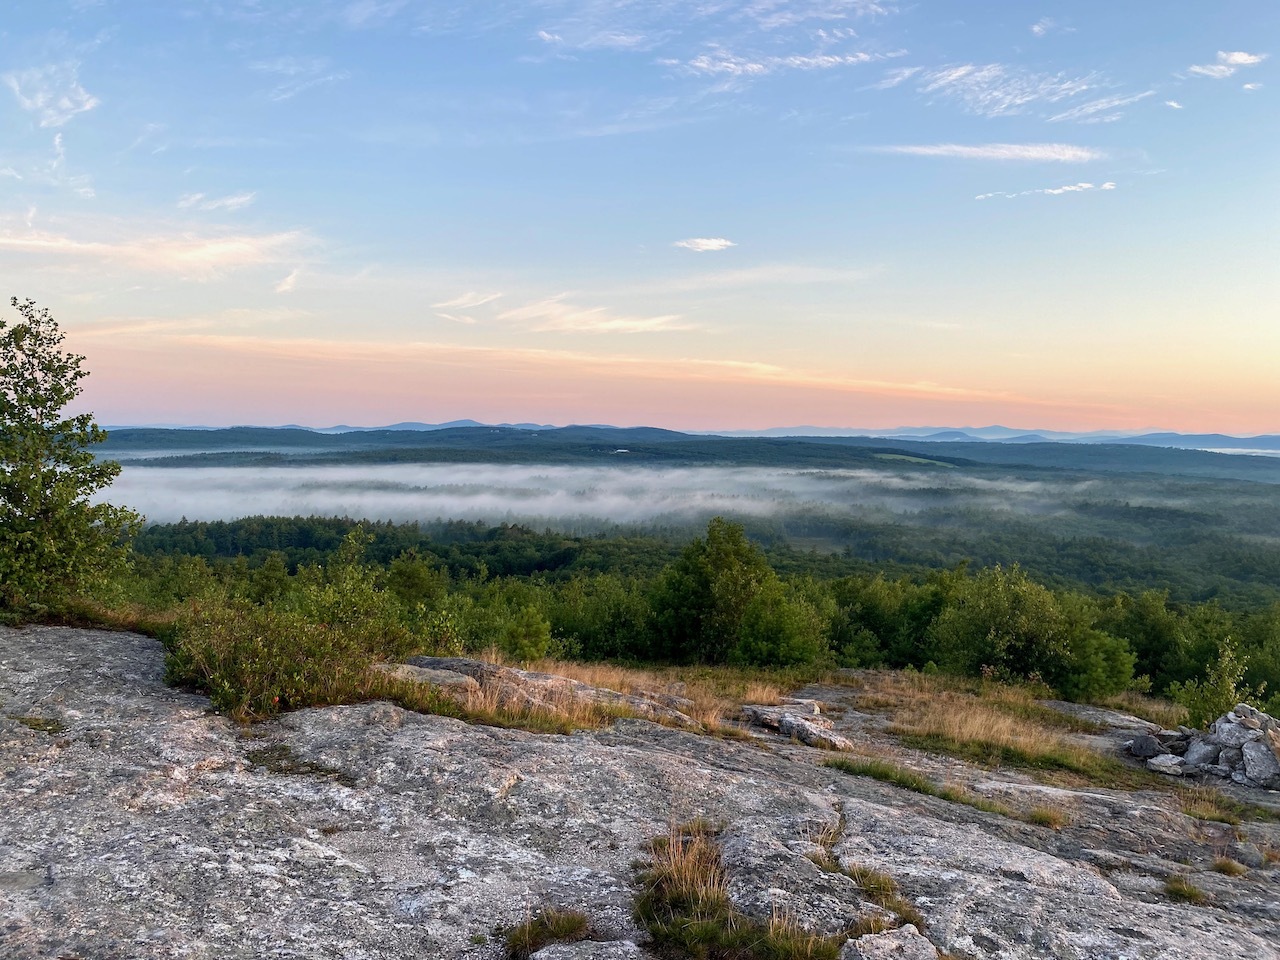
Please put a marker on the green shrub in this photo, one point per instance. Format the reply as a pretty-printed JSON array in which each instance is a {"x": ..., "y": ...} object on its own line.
[
  {"x": 547, "y": 926},
  {"x": 1220, "y": 690}
]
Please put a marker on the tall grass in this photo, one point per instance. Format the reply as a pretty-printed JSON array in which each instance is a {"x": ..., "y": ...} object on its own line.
[{"x": 684, "y": 905}]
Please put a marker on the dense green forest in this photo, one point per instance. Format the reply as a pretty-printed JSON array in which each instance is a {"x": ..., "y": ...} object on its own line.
[
  {"x": 1091, "y": 569},
  {"x": 720, "y": 597}
]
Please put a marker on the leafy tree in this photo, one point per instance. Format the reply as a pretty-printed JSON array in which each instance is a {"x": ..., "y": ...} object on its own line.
[
  {"x": 780, "y": 628},
  {"x": 54, "y": 540},
  {"x": 1002, "y": 622},
  {"x": 700, "y": 599}
]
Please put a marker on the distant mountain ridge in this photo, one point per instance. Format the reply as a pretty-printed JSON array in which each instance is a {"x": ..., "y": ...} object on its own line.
[{"x": 1263, "y": 443}]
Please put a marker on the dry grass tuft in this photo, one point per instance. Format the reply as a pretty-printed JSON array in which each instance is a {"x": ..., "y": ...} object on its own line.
[
  {"x": 685, "y": 907},
  {"x": 976, "y": 730},
  {"x": 1206, "y": 803},
  {"x": 1229, "y": 867},
  {"x": 1055, "y": 818},
  {"x": 1164, "y": 712},
  {"x": 1180, "y": 889}
]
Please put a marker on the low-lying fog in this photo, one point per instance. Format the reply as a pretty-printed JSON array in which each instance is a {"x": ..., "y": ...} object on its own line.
[{"x": 562, "y": 496}]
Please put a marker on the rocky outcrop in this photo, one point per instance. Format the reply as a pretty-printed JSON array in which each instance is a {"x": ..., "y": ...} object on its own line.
[
  {"x": 138, "y": 825},
  {"x": 801, "y": 719},
  {"x": 1242, "y": 745}
]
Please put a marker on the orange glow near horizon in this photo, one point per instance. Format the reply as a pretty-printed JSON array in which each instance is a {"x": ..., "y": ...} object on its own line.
[{"x": 322, "y": 383}]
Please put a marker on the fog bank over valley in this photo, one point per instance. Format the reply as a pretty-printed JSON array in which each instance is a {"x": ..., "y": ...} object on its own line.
[{"x": 572, "y": 497}]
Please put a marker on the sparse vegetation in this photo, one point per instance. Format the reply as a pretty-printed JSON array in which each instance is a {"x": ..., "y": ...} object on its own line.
[
  {"x": 684, "y": 906},
  {"x": 545, "y": 927},
  {"x": 1229, "y": 867},
  {"x": 1205, "y": 803},
  {"x": 1181, "y": 890},
  {"x": 900, "y": 776},
  {"x": 1155, "y": 709},
  {"x": 49, "y": 725}
]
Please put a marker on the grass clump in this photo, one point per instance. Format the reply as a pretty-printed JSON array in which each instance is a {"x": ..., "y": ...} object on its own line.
[
  {"x": 1181, "y": 890},
  {"x": 684, "y": 905},
  {"x": 884, "y": 771},
  {"x": 1229, "y": 867},
  {"x": 1205, "y": 803},
  {"x": 1054, "y": 818},
  {"x": 910, "y": 780},
  {"x": 543, "y": 928}
]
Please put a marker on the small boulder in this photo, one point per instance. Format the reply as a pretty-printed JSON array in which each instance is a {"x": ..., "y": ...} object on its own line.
[
  {"x": 1233, "y": 734},
  {"x": 1202, "y": 752},
  {"x": 1166, "y": 763},
  {"x": 1261, "y": 765},
  {"x": 814, "y": 734},
  {"x": 905, "y": 943},
  {"x": 447, "y": 681},
  {"x": 1146, "y": 746}
]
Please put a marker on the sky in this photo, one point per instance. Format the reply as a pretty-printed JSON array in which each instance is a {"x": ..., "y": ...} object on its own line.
[{"x": 706, "y": 214}]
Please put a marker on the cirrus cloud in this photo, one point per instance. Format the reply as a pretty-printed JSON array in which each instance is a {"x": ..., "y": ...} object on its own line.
[{"x": 1041, "y": 152}]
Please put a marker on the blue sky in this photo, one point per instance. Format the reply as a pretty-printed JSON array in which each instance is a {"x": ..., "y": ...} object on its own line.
[{"x": 716, "y": 214}]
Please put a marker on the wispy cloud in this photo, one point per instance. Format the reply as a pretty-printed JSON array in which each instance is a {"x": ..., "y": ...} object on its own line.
[
  {"x": 53, "y": 92},
  {"x": 1227, "y": 64},
  {"x": 1050, "y": 191},
  {"x": 54, "y": 172},
  {"x": 289, "y": 283},
  {"x": 514, "y": 361},
  {"x": 1251, "y": 86},
  {"x": 467, "y": 301},
  {"x": 188, "y": 255},
  {"x": 705, "y": 244},
  {"x": 719, "y": 62},
  {"x": 368, "y": 13},
  {"x": 300, "y": 74},
  {"x": 1042, "y": 152},
  {"x": 1102, "y": 110},
  {"x": 894, "y": 77},
  {"x": 1173, "y": 104},
  {"x": 556, "y": 314},
  {"x": 200, "y": 201},
  {"x": 1047, "y": 25},
  {"x": 456, "y": 318},
  {"x": 998, "y": 90}
]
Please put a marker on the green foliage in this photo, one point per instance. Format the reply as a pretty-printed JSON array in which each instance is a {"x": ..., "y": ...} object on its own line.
[
  {"x": 700, "y": 600},
  {"x": 1220, "y": 690},
  {"x": 1180, "y": 889},
  {"x": 780, "y": 628},
  {"x": 54, "y": 540},
  {"x": 314, "y": 647},
  {"x": 1003, "y": 623},
  {"x": 527, "y": 635}
]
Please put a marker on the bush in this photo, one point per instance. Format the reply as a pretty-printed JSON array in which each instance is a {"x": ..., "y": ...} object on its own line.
[{"x": 1221, "y": 689}]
